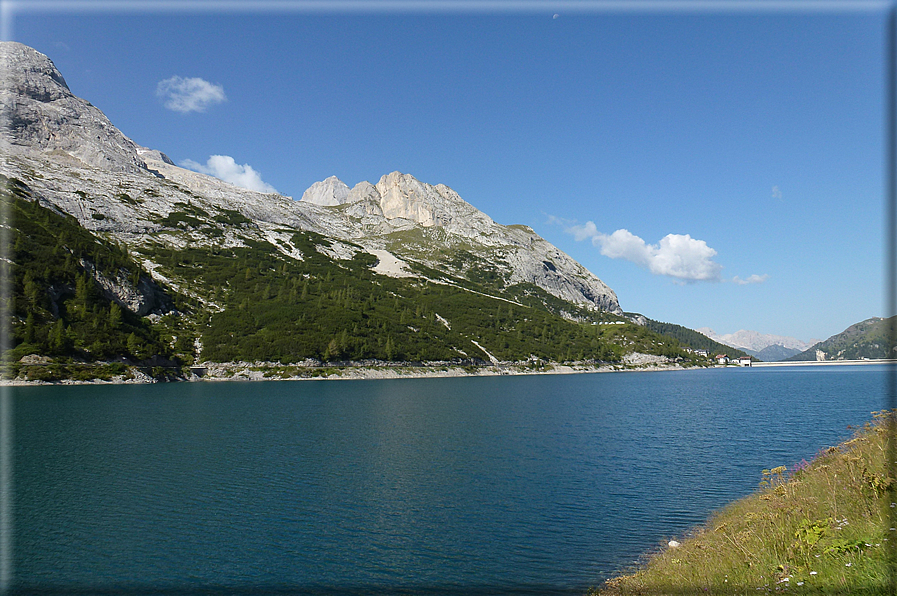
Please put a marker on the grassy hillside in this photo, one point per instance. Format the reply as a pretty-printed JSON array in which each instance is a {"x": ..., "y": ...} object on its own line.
[
  {"x": 281, "y": 309},
  {"x": 818, "y": 528},
  {"x": 871, "y": 338}
]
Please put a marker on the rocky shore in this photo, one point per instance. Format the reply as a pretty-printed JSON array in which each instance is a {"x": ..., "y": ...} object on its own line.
[{"x": 310, "y": 370}]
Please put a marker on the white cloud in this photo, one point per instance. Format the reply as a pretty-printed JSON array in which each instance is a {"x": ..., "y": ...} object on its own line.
[
  {"x": 587, "y": 230},
  {"x": 189, "y": 95},
  {"x": 676, "y": 255},
  {"x": 776, "y": 193},
  {"x": 225, "y": 168},
  {"x": 555, "y": 220},
  {"x": 753, "y": 279}
]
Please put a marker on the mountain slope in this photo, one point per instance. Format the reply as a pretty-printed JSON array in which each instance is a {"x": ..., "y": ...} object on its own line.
[
  {"x": 776, "y": 353},
  {"x": 64, "y": 137},
  {"x": 869, "y": 339},
  {"x": 397, "y": 270}
]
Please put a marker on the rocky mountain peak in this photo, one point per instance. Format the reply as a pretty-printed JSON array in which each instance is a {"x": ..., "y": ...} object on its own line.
[
  {"x": 137, "y": 195},
  {"x": 45, "y": 117},
  {"x": 31, "y": 73},
  {"x": 328, "y": 192},
  {"x": 398, "y": 196},
  {"x": 402, "y": 195}
]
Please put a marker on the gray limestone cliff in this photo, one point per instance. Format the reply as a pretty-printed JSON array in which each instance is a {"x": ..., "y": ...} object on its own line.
[
  {"x": 400, "y": 203},
  {"x": 135, "y": 195},
  {"x": 327, "y": 193},
  {"x": 43, "y": 115}
]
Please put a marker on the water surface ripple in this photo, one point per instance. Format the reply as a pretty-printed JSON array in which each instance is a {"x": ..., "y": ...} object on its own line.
[{"x": 498, "y": 485}]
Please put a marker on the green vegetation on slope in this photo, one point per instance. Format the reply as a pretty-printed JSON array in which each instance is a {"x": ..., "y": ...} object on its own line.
[
  {"x": 55, "y": 307},
  {"x": 253, "y": 303},
  {"x": 285, "y": 310},
  {"x": 871, "y": 338},
  {"x": 693, "y": 339},
  {"x": 820, "y": 528}
]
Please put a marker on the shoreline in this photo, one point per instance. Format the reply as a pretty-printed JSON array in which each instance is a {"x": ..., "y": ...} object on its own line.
[
  {"x": 820, "y": 362},
  {"x": 268, "y": 371},
  {"x": 215, "y": 372}
]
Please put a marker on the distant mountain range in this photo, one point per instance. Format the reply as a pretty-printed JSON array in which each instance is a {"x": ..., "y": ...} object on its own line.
[
  {"x": 868, "y": 339},
  {"x": 765, "y": 347},
  {"x": 689, "y": 338}
]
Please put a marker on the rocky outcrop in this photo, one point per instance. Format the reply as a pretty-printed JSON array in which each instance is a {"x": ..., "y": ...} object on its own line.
[
  {"x": 327, "y": 193},
  {"x": 143, "y": 299},
  {"x": 43, "y": 115},
  {"x": 137, "y": 195},
  {"x": 399, "y": 196},
  {"x": 403, "y": 196}
]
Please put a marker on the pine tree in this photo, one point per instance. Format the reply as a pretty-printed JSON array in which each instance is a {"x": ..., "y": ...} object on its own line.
[
  {"x": 134, "y": 345},
  {"x": 29, "y": 328},
  {"x": 58, "y": 337},
  {"x": 114, "y": 315}
]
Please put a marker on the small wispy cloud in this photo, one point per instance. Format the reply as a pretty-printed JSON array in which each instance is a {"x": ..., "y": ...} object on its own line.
[
  {"x": 558, "y": 221},
  {"x": 676, "y": 255},
  {"x": 753, "y": 279},
  {"x": 189, "y": 94},
  {"x": 776, "y": 193},
  {"x": 225, "y": 168}
]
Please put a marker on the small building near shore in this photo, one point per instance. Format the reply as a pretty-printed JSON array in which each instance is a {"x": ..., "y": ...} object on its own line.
[{"x": 744, "y": 361}]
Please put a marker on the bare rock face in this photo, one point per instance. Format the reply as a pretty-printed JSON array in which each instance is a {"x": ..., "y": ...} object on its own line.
[
  {"x": 327, "y": 193},
  {"x": 43, "y": 115},
  {"x": 364, "y": 201},
  {"x": 402, "y": 196},
  {"x": 399, "y": 202},
  {"x": 144, "y": 298},
  {"x": 93, "y": 172}
]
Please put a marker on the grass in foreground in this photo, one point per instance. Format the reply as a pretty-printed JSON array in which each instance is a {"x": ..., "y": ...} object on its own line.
[{"x": 823, "y": 527}]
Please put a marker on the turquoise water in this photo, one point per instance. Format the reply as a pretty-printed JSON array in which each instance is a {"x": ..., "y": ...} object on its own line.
[{"x": 497, "y": 485}]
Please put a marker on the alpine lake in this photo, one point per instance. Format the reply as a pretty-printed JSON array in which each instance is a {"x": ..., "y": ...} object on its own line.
[{"x": 544, "y": 484}]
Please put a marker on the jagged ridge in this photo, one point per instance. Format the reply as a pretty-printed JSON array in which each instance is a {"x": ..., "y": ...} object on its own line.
[
  {"x": 381, "y": 270},
  {"x": 62, "y": 136}
]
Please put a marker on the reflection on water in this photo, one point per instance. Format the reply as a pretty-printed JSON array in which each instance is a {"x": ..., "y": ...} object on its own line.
[{"x": 545, "y": 483}]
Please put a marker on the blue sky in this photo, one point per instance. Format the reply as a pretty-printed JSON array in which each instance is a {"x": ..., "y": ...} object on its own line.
[{"x": 715, "y": 167}]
